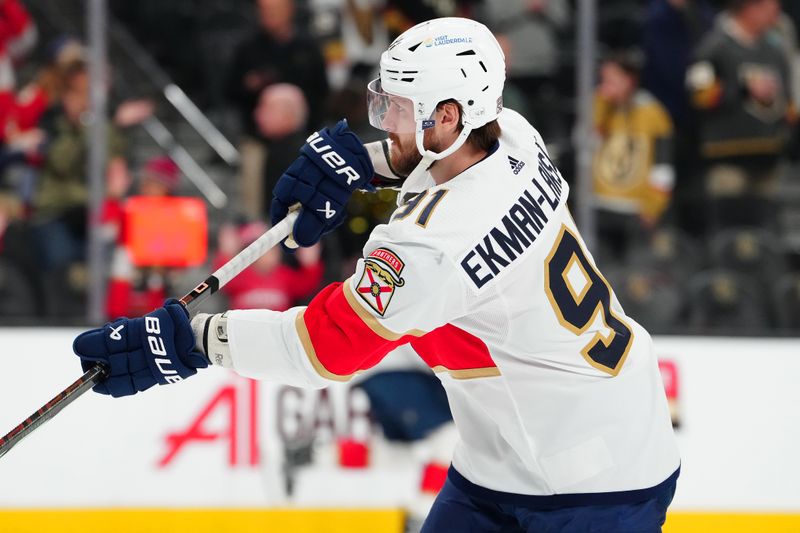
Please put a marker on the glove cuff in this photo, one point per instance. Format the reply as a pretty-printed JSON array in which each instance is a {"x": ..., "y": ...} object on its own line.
[
  {"x": 199, "y": 327},
  {"x": 211, "y": 332}
]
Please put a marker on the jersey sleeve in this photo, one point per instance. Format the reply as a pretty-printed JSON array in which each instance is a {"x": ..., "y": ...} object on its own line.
[{"x": 398, "y": 293}]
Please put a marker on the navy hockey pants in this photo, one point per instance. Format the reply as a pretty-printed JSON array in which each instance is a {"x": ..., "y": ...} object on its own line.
[{"x": 456, "y": 511}]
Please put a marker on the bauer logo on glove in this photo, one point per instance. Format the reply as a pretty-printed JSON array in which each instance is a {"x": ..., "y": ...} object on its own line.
[
  {"x": 332, "y": 164},
  {"x": 334, "y": 160},
  {"x": 152, "y": 325}
]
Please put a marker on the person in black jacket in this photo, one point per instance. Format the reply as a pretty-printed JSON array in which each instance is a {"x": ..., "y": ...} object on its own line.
[
  {"x": 279, "y": 52},
  {"x": 740, "y": 86}
]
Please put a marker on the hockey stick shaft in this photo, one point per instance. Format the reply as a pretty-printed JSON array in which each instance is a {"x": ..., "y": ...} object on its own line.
[
  {"x": 51, "y": 408},
  {"x": 235, "y": 266},
  {"x": 191, "y": 301}
]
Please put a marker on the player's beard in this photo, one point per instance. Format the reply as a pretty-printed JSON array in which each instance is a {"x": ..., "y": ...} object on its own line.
[{"x": 404, "y": 154}]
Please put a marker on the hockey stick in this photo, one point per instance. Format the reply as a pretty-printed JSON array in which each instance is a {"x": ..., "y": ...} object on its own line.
[{"x": 191, "y": 301}]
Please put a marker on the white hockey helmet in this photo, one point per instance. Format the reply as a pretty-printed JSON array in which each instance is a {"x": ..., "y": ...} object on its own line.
[{"x": 438, "y": 60}]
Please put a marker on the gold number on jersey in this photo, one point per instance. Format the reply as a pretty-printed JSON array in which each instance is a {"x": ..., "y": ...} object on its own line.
[
  {"x": 422, "y": 220},
  {"x": 579, "y": 294}
]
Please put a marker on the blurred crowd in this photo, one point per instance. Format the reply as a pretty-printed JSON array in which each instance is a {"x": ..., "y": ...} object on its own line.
[{"x": 695, "y": 172}]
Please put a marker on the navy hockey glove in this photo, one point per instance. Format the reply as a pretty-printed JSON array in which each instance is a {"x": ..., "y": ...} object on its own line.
[
  {"x": 332, "y": 164},
  {"x": 140, "y": 352}
]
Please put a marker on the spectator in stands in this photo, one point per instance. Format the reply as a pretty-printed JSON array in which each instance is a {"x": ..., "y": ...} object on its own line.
[
  {"x": 135, "y": 291},
  {"x": 39, "y": 100},
  {"x": 403, "y": 14},
  {"x": 633, "y": 173},
  {"x": 44, "y": 92},
  {"x": 353, "y": 34},
  {"x": 672, "y": 29},
  {"x": 281, "y": 117},
  {"x": 10, "y": 210},
  {"x": 364, "y": 36},
  {"x": 529, "y": 29},
  {"x": 23, "y": 134},
  {"x": 739, "y": 83},
  {"x": 785, "y": 31},
  {"x": 278, "y": 52},
  {"x": 18, "y": 35},
  {"x": 21, "y": 147},
  {"x": 60, "y": 200},
  {"x": 267, "y": 283},
  {"x": 20, "y": 286},
  {"x": 17, "y": 38}
]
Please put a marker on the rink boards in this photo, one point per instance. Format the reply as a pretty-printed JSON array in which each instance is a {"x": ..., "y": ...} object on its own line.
[{"x": 213, "y": 447}]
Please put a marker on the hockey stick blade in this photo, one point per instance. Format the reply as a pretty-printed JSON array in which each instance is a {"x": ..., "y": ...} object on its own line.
[{"x": 95, "y": 375}]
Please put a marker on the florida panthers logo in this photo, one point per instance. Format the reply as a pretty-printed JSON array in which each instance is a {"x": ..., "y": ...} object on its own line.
[{"x": 382, "y": 269}]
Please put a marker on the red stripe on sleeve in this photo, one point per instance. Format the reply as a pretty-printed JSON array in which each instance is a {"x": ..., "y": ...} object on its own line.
[
  {"x": 340, "y": 337},
  {"x": 455, "y": 350},
  {"x": 342, "y": 342}
]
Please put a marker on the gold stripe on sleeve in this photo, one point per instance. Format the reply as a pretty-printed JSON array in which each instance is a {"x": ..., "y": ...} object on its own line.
[
  {"x": 469, "y": 373},
  {"x": 308, "y": 347}
]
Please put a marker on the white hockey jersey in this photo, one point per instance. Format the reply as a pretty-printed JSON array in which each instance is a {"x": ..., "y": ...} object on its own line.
[{"x": 555, "y": 391}]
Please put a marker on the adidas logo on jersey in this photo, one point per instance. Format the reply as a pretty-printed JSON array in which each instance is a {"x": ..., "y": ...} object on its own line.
[{"x": 516, "y": 165}]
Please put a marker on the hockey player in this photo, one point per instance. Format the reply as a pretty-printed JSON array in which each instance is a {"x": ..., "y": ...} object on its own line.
[{"x": 556, "y": 394}]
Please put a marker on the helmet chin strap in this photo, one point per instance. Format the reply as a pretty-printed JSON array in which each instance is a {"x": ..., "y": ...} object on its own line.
[{"x": 416, "y": 180}]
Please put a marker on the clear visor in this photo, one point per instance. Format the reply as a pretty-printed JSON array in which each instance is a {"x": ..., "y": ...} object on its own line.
[{"x": 388, "y": 112}]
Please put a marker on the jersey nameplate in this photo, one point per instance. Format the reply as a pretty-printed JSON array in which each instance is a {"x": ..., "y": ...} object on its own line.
[{"x": 518, "y": 228}]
